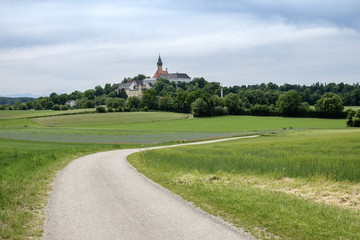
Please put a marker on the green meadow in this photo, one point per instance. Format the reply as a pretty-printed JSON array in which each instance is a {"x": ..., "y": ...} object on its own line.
[
  {"x": 148, "y": 127},
  {"x": 35, "y": 145},
  {"x": 16, "y": 114},
  {"x": 293, "y": 185}
]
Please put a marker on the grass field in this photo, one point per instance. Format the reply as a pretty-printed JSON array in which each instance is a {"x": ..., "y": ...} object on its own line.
[
  {"x": 294, "y": 185},
  {"x": 148, "y": 127},
  {"x": 26, "y": 170},
  {"x": 352, "y": 107},
  {"x": 35, "y": 145},
  {"x": 14, "y": 114},
  {"x": 230, "y": 124},
  {"x": 108, "y": 118}
]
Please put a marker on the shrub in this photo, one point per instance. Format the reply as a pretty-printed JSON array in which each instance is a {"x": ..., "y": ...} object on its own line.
[
  {"x": 38, "y": 106},
  {"x": 56, "y": 107},
  {"x": 220, "y": 111},
  {"x": 119, "y": 109},
  {"x": 2, "y": 107},
  {"x": 260, "y": 110},
  {"x": 353, "y": 119},
  {"x": 349, "y": 121},
  {"x": 64, "y": 107},
  {"x": 100, "y": 109},
  {"x": 90, "y": 104},
  {"x": 110, "y": 109}
]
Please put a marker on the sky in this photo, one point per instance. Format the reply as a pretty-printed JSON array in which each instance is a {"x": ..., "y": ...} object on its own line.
[{"x": 61, "y": 46}]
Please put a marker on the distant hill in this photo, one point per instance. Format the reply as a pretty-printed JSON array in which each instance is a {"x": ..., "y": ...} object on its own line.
[{"x": 12, "y": 100}]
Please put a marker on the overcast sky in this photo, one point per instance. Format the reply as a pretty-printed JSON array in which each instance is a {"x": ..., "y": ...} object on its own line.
[{"x": 61, "y": 46}]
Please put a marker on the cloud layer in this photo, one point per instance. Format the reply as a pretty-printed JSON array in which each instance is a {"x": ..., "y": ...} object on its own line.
[{"x": 63, "y": 46}]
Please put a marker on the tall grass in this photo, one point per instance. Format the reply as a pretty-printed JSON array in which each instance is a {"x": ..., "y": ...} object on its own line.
[
  {"x": 26, "y": 170},
  {"x": 205, "y": 175},
  {"x": 333, "y": 155}
]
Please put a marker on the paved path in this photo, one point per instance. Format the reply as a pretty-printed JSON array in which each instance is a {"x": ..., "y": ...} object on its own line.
[{"x": 101, "y": 196}]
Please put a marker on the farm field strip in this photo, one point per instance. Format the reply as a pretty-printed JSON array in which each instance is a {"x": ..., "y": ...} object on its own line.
[
  {"x": 108, "y": 118},
  {"x": 294, "y": 185},
  {"x": 150, "y": 127},
  {"x": 16, "y": 114},
  {"x": 113, "y": 138}
]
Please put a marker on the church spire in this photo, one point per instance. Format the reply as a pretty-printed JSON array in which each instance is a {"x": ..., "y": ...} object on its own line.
[{"x": 159, "y": 63}]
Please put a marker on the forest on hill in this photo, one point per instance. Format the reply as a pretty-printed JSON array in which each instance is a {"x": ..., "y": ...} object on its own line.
[{"x": 202, "y": 98}]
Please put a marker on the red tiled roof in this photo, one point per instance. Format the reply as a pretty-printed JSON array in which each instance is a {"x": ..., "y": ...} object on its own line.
[{"x": 158, "y": 73}]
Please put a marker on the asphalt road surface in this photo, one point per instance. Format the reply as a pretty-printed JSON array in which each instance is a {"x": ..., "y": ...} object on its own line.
[{"x": 101, "y": 196}]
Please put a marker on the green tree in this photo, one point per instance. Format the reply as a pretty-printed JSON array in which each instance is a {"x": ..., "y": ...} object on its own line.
[
  {"x": 64, "y": 107},
  {"x": 349, "y": 121},
  {"x": 199, "y": 108},
  {"x": 166, "y": 103},
  {"x": 17, "y": 106},
  {"x": 99, "y": 90},
  {"x": 356, "y": 119},
  {"x": 90, "y": 94},
  {"x": 30, "y": 104},
  {"x": 100, "y": 109},
  {"x": 54, "y": 97},
  {"x": 330, "y": 104},
  {"x": 121, "y": 94},
  {"x": 62, "y": 99},
  {"x": 140, "y": 77},
  {"x": 118, "y": 102},
  {"x": 56, "y": 107},
  {"x": 149, "y": 99},
  {"x": 107, "y": 88},
  {"x": 133, "y": 102},
  {"x": 289, "y": 103},
  {"x": 38, "y": 106},
  {"x": 199, "y": 82},
  {"x": 23, "y": 106},
  {"x": 90, "y": 104},
  {"x": 233, "y": 104},
  {"x": 179, "y": 102},
  {"x": 109, "y": 102}
]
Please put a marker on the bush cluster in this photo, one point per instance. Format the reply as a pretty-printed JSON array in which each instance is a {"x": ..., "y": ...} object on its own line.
[{"x": 353, "y": 118}]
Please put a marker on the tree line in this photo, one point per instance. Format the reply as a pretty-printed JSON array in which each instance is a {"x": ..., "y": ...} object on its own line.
[{"x": 202, "y": 98}]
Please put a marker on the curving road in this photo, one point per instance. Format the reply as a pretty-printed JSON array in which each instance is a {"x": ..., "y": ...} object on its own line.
[{"x": 101, "y": 196}]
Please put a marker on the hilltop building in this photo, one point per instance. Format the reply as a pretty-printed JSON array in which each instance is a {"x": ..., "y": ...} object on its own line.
[
  {"x": 136, "y": 87},
  {"x": 172, "y": 77},
  {"x": 159, "y": 69},
  {"x": 176, "y": 77}
]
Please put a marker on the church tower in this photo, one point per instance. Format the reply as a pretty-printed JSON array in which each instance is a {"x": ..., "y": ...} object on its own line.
[
  {"x": 159, "y": 64},
  {"x": 159, "y": 68}
]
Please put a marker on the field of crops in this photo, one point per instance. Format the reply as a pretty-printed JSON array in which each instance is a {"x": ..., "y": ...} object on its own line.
[
  {"x": 148, "y": 127},
  {"x": 294, "y": 185},
  {"x": 38, "y": 113},
  {"x": 113, "y": 118},
  {"x": 35, "y": 144}
]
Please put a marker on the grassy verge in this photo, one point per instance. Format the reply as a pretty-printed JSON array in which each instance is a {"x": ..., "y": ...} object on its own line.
[
  {"x": 26, "y": 171},
  {"x": 275, "y": 186}
]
